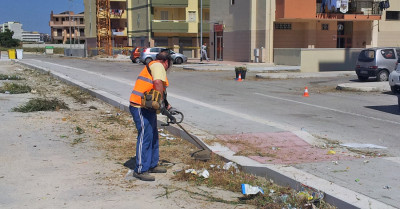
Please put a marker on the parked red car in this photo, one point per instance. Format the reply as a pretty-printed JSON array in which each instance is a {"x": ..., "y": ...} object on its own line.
[{"x": 135, "y": 54}]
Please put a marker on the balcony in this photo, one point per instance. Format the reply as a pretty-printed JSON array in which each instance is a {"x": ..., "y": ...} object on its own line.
[
  {"x": 206, "y": 26},
  {"x": 169, "y": 26},
  {"x": 119, "y": 32},
  {"x": 170, "y": 3},
  {"x": 310, "y": 9},
  {"x": 357, "y": 10},
  {"x": 206, "y": 3},
  {"x": 118, "y": 14},
  {"x": 65, "y": 24}
]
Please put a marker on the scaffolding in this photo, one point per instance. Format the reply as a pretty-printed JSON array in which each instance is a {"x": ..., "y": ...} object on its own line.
[{"x": 103, "y": 27}]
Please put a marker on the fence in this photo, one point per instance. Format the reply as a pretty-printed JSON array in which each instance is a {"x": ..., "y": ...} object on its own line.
[{"x": 318, "y": 60}]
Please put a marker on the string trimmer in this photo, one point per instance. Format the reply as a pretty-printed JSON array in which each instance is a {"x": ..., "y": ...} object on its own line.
[{"x": 176, "y": 117}]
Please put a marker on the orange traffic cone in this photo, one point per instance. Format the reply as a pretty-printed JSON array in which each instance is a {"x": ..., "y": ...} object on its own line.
[
  {"x": 306, "y": 92},
  {"x": 240, "y": 77}
]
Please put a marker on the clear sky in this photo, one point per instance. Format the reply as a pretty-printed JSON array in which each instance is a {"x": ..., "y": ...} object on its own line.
[{"x": 34, "y": 15}]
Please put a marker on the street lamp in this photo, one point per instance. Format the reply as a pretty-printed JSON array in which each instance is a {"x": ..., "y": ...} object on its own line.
[{"x": 201, "y": 26}]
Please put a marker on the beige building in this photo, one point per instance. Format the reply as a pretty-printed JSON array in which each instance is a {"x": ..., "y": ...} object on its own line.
[
  {"x": 118, "y": 22},
  {"x": 238, "y": 27},
  {"x": 67, "y": 27},
  {"x": 174, "y": 23}
]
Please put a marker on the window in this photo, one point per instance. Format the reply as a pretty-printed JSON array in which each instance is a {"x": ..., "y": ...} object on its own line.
[
  {"x": 164, "y": 15},
  {"x": 192, "y": 16},
  {"x": 232, "y": 2},
  {"x": 283, "y": 26},
  {"x": 56, "y": 19},
  {"x": 388, "y": 53},
  {"x": 366, "y": 56},
  {"x": 392, "y": 15},
  {"x": 325, "y": 26}
]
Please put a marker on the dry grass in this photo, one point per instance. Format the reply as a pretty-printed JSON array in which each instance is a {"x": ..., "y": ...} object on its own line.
[{"x": 77, "y": 94}]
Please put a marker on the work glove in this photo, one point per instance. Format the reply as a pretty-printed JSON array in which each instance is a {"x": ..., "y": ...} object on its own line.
[{"x": 167, "y": 113}]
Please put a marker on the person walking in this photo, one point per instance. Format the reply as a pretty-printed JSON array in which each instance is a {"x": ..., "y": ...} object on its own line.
[
  {"x": 147, "y": 99},
  {"x": 203, "y": 51}
]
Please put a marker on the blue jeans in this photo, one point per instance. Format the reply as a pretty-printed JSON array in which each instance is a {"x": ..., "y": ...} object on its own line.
[{"x": 147, "y": 151}]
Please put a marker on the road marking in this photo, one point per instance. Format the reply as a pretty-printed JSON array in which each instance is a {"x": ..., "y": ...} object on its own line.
[
  {"x": 235, "y": 113},
  {"x": 328, "y": 108},
  {"x": 90, "y": 72}
]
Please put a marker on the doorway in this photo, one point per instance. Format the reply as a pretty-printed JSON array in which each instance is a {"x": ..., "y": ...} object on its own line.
[
  {"x": 219, "y": 42},
  {"x": 344, "y": 34},
  {"x": 219, "y": 47}
]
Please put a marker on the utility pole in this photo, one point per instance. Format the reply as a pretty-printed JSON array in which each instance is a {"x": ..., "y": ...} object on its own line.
[
  {"x": 201, "y": 25},
  {"x": 70, "y": 28}
]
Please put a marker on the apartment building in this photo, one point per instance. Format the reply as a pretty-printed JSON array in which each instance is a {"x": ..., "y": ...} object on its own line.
[
  {"x": 175, "y": 24},
  {"x": 28, "y": 36},
  {"x": 67, "y": 27},
  {"x": 15, "y": 27},
  {"x": 238, "y": 27},
  {"x": 19, "y": 33},
  {"x": 118, "y": 22}
]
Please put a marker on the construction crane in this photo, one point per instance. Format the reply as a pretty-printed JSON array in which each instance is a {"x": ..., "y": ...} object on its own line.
[{"x": 103, "y": 27}]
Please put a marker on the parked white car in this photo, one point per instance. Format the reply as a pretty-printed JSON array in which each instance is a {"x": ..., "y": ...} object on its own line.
[{"x": 394, "y": 80}]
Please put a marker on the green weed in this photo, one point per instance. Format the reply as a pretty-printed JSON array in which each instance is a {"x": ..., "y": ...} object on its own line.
[
  {"x": 13, "y": 88},
  {"x": 39, "y": 104},
  {"x": 10, "y": 77}
]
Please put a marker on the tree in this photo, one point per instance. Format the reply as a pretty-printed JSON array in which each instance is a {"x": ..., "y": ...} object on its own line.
[{"x": 6, "y": 39}]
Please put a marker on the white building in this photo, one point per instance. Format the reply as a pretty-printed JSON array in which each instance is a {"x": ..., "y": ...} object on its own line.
[
  {"x": 30, "y": 36},
  {"x": 19, "y": 33},
  {"x": 16, "y": 27}
]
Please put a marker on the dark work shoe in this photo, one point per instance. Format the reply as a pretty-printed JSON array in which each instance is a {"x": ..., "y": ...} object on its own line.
[
  {"x": 145, "y": 176},
  {"x": 158, "y": 169}
]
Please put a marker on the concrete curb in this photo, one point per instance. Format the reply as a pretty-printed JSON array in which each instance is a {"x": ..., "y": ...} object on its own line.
[
  {"x": 364, "y": 87},
  {"x": 281, "y": 174},
  {"x": 304, "y": 75}
]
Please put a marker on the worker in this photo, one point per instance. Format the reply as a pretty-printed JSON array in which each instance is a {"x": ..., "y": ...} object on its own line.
[
  {"x": 147, "y": 99},
  {"x": 204, "y": 53}
]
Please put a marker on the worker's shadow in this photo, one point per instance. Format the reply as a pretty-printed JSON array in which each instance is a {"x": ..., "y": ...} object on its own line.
[{"x": 131, "y": 163}]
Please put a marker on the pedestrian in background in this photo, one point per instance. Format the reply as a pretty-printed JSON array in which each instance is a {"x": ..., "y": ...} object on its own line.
[
  {"x": 203, "y": 51},
  {"x": 147, "y": 99}
]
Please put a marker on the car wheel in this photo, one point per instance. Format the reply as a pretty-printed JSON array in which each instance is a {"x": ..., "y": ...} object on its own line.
[
  {"x": 136, "y": 60},
  {"x": 178, "y": 60},
  {"x": 383, "y": 75},
  {"x": 362, "y": 78},
  {"x": 147, "y": 60},
  {"x": 395, "y": 89}
]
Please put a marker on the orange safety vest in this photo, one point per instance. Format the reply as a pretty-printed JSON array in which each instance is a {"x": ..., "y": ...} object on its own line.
[{"x": 144, "y": 83}]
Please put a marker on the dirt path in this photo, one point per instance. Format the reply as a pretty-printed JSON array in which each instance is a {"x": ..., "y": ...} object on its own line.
[{"x": 74, "y": 158}]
